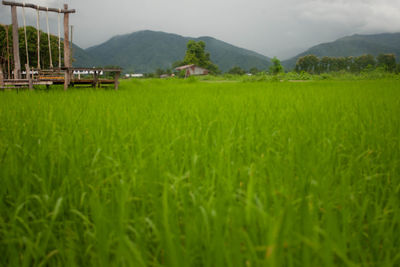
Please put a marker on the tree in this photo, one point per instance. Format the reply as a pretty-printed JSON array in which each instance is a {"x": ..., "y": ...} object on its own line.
[
  {"x": 350, "y": 64},
  {"x": 276, "y": 66},
  {"x": 325, "y": 64},
  {"x": 309, "y": 63},
  {"x": 177, "y": 64},
  {"x": 254, "y": 71},
  {"x": 195, "y": 54},
  {"x": 364, "y": 61},
  {"x": 159, "y": 72},
  {"x": 236, "y": 70},
  {"x": 387, "y": 61}
]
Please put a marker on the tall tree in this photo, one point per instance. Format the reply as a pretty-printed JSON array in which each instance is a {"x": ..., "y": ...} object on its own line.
[
  {"x": 195, "y": 54},
  {"x": 364, "y": 61},
  {"x": 387, "y": 61},
  {"x": 276, "y": 66},
  {"x": 237, "y": 71},
  {"x": 254, "y": 70},
  {"x": 308, "y": 63},
  {"x": 325, "y": 64}
]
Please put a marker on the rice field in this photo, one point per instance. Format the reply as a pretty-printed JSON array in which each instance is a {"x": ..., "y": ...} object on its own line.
[{"x": 191, "y": 173}]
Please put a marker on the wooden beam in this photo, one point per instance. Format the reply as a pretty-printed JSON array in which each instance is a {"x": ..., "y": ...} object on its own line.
[
  {"x": 26, "y": 83},
  {"x": 41, "y": 8},
  {"x": 17, "y": 61}
]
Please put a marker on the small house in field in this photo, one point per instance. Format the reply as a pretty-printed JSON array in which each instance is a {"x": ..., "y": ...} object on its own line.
[{"x": 192, "y": 70}]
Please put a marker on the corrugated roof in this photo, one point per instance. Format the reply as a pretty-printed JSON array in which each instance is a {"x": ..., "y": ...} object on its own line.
[{"x": 185, "y": 67}]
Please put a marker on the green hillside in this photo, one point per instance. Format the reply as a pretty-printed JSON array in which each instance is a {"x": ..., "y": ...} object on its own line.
[
  {"x": 83, "y": 59},
  {"x": 145, "y": 51},
  {"x": 355, "y": 45}
]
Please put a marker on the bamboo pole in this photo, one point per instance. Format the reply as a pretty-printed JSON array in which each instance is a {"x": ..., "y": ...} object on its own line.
[
  {"x": 71, "y": 45},
  {"x": 8, "y": 52},
  {"x": 67, "y": 60},
  {"x": 38, "y": 38},
  {"x": 48, "y": 39}
]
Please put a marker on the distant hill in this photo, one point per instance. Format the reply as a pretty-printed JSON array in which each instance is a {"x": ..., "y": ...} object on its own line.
[
  {"x": 83, "y": 59},
  {"x": 145, "y": 51},
  {"x": 355, "y": 45}
]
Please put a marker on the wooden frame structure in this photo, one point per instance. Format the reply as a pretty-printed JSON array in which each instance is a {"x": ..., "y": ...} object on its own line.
[{"x": 65, "y": 75}]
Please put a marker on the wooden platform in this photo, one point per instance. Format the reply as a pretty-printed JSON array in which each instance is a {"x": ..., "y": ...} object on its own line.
[
  {"x": 63, "y": 76},
  {"x": 95, "y": 81}
]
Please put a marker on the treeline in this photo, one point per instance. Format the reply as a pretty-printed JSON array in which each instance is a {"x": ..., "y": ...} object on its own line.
[
  {"x": 31, "y": 34},
  {"x": 314, "y": 65}
]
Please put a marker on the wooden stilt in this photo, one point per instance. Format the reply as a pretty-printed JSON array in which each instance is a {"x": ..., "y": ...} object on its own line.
[
  {"x": 1, "y": 77},
  {"x": 116, "y": 81},
  {"x": 17, "y": 61},
  {"x": 66, "y": 79},
  {"x": 29, "y": 77},
  {"x": 95, "y": 79}
]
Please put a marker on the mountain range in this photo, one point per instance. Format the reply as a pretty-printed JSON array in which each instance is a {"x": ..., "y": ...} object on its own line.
[
  {"x": 146, "y": 51},
  {"x": 355, "y": 45}
]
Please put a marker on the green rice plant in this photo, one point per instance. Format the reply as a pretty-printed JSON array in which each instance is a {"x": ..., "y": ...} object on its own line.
[{"x": 202, "y": 173}]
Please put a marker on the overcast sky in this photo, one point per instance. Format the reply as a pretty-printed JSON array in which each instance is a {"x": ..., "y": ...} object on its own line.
[{"x": 271, "y": 27}]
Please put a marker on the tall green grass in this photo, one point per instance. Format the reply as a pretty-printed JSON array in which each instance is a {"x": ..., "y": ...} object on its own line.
[{"x": 188, "y": 173}]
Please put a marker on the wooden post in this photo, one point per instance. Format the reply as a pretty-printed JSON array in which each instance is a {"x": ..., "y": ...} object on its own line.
[
  {"x": 17, "y": 61},
  {"x": 1, "y": 78},
  {"x": 29, "y": 77},
  {"x": 71, "y": 76},
  {"x": 66, "y": 79},
  {"x": 116, "y": 82},
  {"x": 67, "y": 60},
  {"x": 95, "y": 79}
]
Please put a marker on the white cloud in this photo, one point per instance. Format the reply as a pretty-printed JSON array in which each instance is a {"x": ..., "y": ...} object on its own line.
[{"x": 364, "y": 15}]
